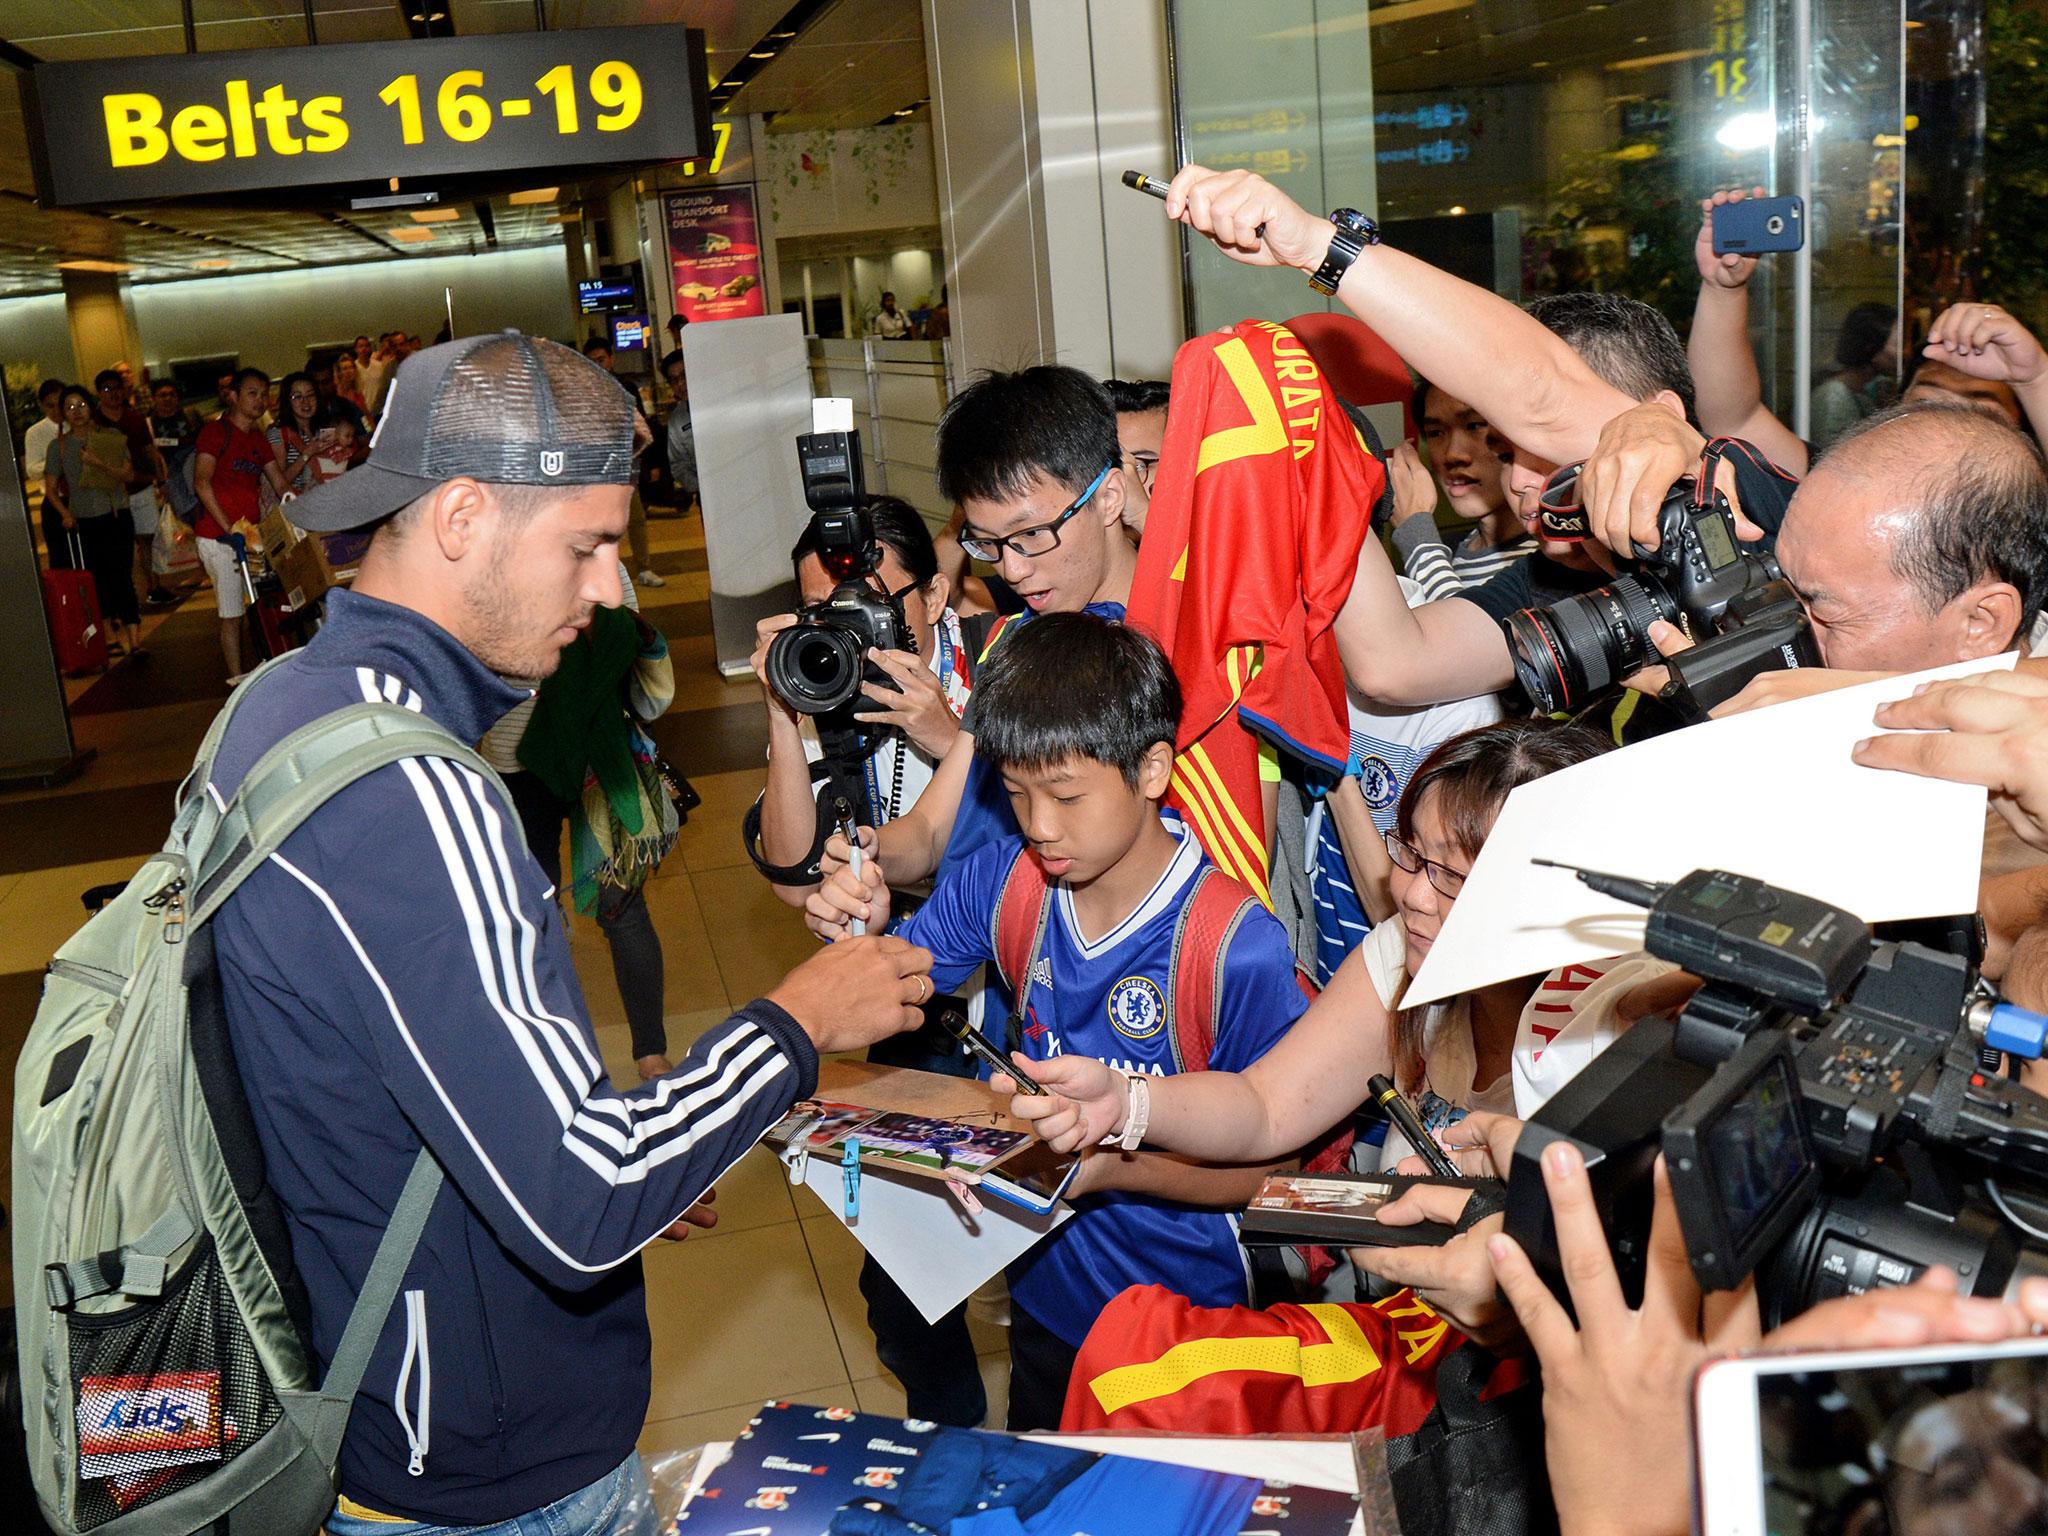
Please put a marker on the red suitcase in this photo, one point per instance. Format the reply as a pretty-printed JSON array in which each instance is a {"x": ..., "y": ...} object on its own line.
[
  {"x": 73, "y": 604},
  {"x": 273, "y": 621}
]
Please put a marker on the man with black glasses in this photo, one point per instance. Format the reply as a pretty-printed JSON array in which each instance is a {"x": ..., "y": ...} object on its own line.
[{"x": 1033, "y": 460}]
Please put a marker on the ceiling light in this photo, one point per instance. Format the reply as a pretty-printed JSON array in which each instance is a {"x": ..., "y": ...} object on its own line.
[
  {"x": 762, "y": 53},
  {"x": 214, "y": 263},
  {"x": 84, "y": 265},
  {"x": 411, "y": 233},
  {"x": 1457, "y": 209},
  {"x": 534, "y": 195},
  {"x": 1747, "y": 130},
  {"x": 780, "y": 36},
  {"x": 437, "y": 215},
  {"x": 1545, "y": 64}
]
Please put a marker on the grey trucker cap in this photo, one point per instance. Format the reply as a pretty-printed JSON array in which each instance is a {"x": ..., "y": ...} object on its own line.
[{"x": 505, "y": 409}]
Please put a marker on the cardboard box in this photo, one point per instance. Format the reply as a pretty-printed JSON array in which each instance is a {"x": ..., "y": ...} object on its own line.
[
  {"x": 276, "y": 536},
  {"x": 304, "y": 572},
  {"x": 315, "y": 562}
]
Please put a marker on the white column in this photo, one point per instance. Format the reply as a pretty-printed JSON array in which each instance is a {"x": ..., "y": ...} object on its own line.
[{"x": 1037, "y": 108}]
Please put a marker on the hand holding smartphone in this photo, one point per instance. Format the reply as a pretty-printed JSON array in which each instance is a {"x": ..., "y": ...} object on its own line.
[{"x": 1755, "y": 226}]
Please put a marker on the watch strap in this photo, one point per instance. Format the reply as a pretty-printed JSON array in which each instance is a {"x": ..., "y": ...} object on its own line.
[{"x": 1345, "y": 246}]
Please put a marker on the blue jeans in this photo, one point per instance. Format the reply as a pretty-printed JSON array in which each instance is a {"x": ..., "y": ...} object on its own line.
[{"x": 617, "y": 1504}]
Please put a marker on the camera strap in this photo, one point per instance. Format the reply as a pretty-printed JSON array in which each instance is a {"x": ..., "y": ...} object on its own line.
[{"x": 830, "y": 808}]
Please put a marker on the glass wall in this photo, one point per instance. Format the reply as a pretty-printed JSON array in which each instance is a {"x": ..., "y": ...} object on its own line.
[{"x": 1541, "y": 146}]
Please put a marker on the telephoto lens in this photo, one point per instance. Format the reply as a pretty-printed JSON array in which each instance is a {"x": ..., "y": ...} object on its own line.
[
  {"x": 814, "y": 668},
  {"x": 1570, "y": 653}
]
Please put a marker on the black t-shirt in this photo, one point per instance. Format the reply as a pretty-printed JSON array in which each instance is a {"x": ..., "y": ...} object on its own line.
[
  {"x": 1536, "y": 582},
  {"x": 175, "y": 436}
]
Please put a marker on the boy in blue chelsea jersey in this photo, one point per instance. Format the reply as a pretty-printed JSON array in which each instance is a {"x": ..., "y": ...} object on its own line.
[{"x": 1078, "y": 716}]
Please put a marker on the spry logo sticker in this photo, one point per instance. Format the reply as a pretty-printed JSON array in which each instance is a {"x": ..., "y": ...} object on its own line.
[{"x": 1137, "y": 1010}]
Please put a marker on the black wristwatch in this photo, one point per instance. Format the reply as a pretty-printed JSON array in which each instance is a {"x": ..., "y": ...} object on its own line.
[{"x": 1354, "y": 233}]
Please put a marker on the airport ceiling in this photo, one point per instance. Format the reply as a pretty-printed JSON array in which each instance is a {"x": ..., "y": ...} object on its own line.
[{"x": 853, "y": 63}]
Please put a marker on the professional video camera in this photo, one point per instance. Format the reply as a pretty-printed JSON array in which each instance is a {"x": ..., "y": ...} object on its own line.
[
  {"x": 1733, "y": 601},
  {"x": 818, "y": 666},
  {"x": 1821, "y": 1104}
]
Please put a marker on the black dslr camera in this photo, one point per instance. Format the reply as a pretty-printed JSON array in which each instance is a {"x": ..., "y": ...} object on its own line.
[
  {"x": 1734, "y": 602},
  {"x": 1821, "y": 1103},
  {"x": 819, "y": 666}
]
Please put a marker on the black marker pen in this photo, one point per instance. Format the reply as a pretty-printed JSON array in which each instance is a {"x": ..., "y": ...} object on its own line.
[{"x": 1402, "y": 1113}]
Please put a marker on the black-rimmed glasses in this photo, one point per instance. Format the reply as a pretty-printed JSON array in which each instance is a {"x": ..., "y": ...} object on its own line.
[
  {"x": 1035, "y": 542},
  {"x": 1448, "y": 881}
]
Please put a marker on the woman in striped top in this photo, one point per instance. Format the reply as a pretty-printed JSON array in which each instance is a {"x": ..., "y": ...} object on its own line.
[{"x": 1467, "y": 459}]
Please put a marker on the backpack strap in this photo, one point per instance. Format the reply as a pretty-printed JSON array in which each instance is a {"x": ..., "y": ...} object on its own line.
[
  {"x": 1369, "y": 438},
  {"x": 299, "y": 775},
  {"x": 195, "y": 808},
  {"x": 1209, "y": 920},
  {"x": 1017, "y": 935},
  {"x": 977, "y": 634},
  {"x": 997, "y": 623},
  {"x": 286, "y": 786},
  {"x": 373, "y": 1305}
]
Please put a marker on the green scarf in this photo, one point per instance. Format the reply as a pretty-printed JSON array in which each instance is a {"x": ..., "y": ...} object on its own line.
[{"x": 580, "y": 744}]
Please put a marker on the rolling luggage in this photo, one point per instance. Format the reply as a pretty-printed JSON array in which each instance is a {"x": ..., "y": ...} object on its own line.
[
  {"x": 274, "y": 629},
  {"x": 73, "y": 604}
]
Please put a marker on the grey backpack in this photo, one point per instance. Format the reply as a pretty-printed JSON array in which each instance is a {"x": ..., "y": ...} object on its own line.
[{"x": 168, "y": 1382}]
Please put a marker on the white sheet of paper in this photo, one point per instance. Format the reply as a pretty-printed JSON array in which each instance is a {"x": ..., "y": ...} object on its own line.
[
  {"x": 919, "y": 1233},
  {"x": 1772, "y": 794}
]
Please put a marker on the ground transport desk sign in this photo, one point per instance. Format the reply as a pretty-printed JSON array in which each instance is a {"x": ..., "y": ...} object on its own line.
[
  {"x": 203, "y": 125},
  {"x": 714, "y": 248}
]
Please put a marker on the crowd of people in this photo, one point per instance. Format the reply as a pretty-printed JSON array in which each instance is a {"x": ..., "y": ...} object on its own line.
[
  {"x": 138, "y": 486},
  {"x": 1014, "y": 858},
  {"x": 1916, "y": 536}
]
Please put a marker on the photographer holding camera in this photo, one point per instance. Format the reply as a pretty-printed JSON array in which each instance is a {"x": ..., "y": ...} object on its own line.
[
  {"x": 1896, "y": 550},
  {"x": 1919, "y": 539},
  {"x": 915, "y": 706}
]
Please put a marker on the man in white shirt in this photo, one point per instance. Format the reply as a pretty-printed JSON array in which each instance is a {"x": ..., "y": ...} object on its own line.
[
  {"x": 891, "y": 324},
  {"x": 35, "y": 450},
  {"x": 35, "y": 443}
]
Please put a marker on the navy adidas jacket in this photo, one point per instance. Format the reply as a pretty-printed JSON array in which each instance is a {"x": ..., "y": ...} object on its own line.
[{"x": 398, "y": 973}]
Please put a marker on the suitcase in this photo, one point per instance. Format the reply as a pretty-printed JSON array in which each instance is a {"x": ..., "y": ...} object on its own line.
[
  {"x": 274, "y": 634},
  {"x": 73, "y": 604}
]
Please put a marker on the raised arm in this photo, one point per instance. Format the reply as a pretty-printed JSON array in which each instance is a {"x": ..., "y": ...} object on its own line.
[
  {"x": 1729, "y": 391},
  {"x": 1395, "y": 654},
  {"x": 1985, "y": 342},
  {"x": 1528, "y": 384}
]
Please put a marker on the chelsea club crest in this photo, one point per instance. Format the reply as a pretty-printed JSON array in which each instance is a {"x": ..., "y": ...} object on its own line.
[
  {"x": 1376, "y": 782},
  {"x": 1137, "y": 1009}
]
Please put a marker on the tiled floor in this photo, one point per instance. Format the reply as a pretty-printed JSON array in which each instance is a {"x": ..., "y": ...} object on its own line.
[{"x": 766, "y": 1305}]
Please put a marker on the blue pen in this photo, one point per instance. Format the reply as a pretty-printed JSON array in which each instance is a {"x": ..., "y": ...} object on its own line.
[{"x": 849, "y": 1162}]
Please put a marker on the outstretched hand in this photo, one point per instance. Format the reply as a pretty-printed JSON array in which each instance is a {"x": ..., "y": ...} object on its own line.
[
  {"x": 1985, "y": 342},
  {"x": 1249, "y": 218},
  {"x": 1991, "y": 729},
  {"x": 1085, "y": 1101},
  {"x": 1614, "y": 1386}
]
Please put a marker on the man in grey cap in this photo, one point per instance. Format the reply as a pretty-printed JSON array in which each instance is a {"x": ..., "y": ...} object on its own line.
[{"x": 398, "y": 976}]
